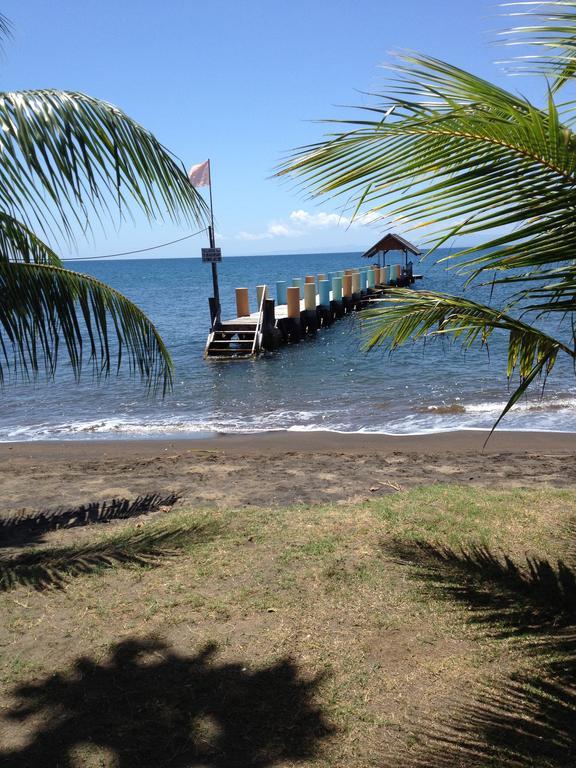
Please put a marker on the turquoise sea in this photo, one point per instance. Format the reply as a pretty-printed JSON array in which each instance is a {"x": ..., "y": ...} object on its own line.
[{"x": 324, "y": 383}]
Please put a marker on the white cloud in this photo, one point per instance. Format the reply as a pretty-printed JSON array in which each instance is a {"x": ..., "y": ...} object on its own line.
[
  {"x": 301, "y": 222},
  {"x": 366, "y": 219},
  {"x": 320, "y": 220},
  {"x": 253, "y": 236},
  {"x": 281, "y": 230}
]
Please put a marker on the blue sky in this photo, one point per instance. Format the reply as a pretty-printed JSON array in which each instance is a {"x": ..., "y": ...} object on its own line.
[{"x": 240, "y": 81}]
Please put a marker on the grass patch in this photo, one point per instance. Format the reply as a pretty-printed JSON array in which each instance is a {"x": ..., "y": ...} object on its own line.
[{"x": 316, "y": 636}]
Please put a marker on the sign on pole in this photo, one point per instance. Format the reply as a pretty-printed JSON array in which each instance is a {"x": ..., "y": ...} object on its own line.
[{"x": 211, "y": 255}]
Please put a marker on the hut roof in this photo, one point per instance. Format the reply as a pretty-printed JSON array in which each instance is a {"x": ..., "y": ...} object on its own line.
[{"x": 391, "y": 242}]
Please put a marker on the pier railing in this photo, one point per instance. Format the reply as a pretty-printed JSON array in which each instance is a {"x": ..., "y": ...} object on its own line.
[{"x": 258, "y": 332}]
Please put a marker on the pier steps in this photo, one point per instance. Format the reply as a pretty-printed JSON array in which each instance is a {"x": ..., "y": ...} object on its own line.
[{"x": 234, "y": 341}]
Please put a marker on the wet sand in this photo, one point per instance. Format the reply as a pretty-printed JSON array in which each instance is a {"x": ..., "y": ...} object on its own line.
[{"x": 277, "y": 468}]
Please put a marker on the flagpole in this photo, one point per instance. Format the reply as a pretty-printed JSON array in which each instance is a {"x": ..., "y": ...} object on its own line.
[
  {"x": 212, "y": 239},
  {"x": 213, "y": 245}
]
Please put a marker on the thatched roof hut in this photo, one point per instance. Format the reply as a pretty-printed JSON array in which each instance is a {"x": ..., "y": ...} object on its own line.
[{"x": 391, "y": 242}]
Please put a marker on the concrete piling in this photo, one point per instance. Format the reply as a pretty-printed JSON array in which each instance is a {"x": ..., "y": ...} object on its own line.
[
  {"x": 310, "y": 297},
  {"x": 324, "y": 292},
  {"x": 347, "y": 286},
  {"x": 298, "y": 283},
  {"x": 337, "y": 288},
  {"x": 281, "y": 286},
  {"x": 260, "y": 289}
]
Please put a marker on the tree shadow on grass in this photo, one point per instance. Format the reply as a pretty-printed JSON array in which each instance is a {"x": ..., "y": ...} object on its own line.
[
  {"x": 25, "y": 529},
  {"x": 56, "y": 566},
  {"x": 528, "y": 721},
  {"x": 150, "y": 706}
]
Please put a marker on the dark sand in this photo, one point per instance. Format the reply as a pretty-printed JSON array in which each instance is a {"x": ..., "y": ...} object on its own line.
[{"x": 277, "y": 468}]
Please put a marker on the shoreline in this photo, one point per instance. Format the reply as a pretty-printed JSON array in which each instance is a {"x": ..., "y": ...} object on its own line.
[
  {"x": 273, "y": 469},
  {"x": 284, "y": 441}
]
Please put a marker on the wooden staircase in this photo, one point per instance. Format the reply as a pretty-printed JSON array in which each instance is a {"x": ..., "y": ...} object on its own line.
[
  {"x": 233, "y": 341},
  {"x": 239, "y": 339}
]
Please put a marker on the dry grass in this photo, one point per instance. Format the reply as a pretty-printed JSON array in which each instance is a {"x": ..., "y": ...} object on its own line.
[{"x": 309, "y": 606}]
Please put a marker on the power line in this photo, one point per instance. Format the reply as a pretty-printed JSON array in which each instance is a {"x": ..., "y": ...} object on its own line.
[{"x": 138, "y": 250}]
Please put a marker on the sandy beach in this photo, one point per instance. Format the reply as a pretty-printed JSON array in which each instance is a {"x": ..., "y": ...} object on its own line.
[{"x": 277, "y": 468}]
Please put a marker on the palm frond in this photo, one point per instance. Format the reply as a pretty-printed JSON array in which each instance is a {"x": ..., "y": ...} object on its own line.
[
  {"x": 19, "y": 243},
  {"x": 45, "y": 307},
  {"x": 5, "y": 27},
  {"x": 64, "y": 156},
  {"x": 410, "y": 315},
  {"x": 548, "y": 27},
  {"x": 445, "y": 150},
  {"x": 445, "y": 146}
]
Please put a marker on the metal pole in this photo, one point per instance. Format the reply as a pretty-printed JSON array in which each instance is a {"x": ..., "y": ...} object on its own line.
[{"x": 213, "y": 245}]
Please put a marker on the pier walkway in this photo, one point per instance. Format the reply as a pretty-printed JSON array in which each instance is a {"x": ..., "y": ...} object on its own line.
[{"x": 299, "y": 310}]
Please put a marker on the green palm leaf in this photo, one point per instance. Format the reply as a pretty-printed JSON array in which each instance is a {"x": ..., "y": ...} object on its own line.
[
  {"x": 19, "y": 243},
  {"x": 411, "y": 314},
  {"x": 465, "y": 152},
  {"x": 67, "y": 159},
  {"x": 549, "y": 27},
  {"x": 447, "y": 150},
  {"x": 44, "y": 307},
  {"x": 66, "y": 156}
]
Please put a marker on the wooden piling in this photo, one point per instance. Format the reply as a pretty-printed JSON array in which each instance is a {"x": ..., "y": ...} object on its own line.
[
  {"x": 242, "y": 302},
  {"x": 347, "y": 286},
  {"x": 293, "y": 302}
]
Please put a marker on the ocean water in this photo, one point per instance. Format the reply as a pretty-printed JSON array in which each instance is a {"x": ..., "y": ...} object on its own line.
[{"x": 323, "y": 383}]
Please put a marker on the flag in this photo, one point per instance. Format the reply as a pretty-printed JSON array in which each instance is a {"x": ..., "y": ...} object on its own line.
[{"x": 199, "y": 175}]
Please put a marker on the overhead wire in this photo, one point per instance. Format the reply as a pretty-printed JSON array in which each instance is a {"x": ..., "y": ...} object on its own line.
[{"x": 138, "y": 250}]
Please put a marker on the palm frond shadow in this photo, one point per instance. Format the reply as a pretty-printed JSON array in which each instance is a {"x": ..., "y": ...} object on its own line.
[
  {"x": 527, "y": 723},
  {"x": 510, "y": 597},
  {"x": 24, "y": 529},
  {"x": 529, "y": 720},
  {"x": 55, "y": 566}
]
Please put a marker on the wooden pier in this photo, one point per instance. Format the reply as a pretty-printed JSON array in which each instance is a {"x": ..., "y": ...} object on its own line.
[{"x": 299, "y": 310}]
